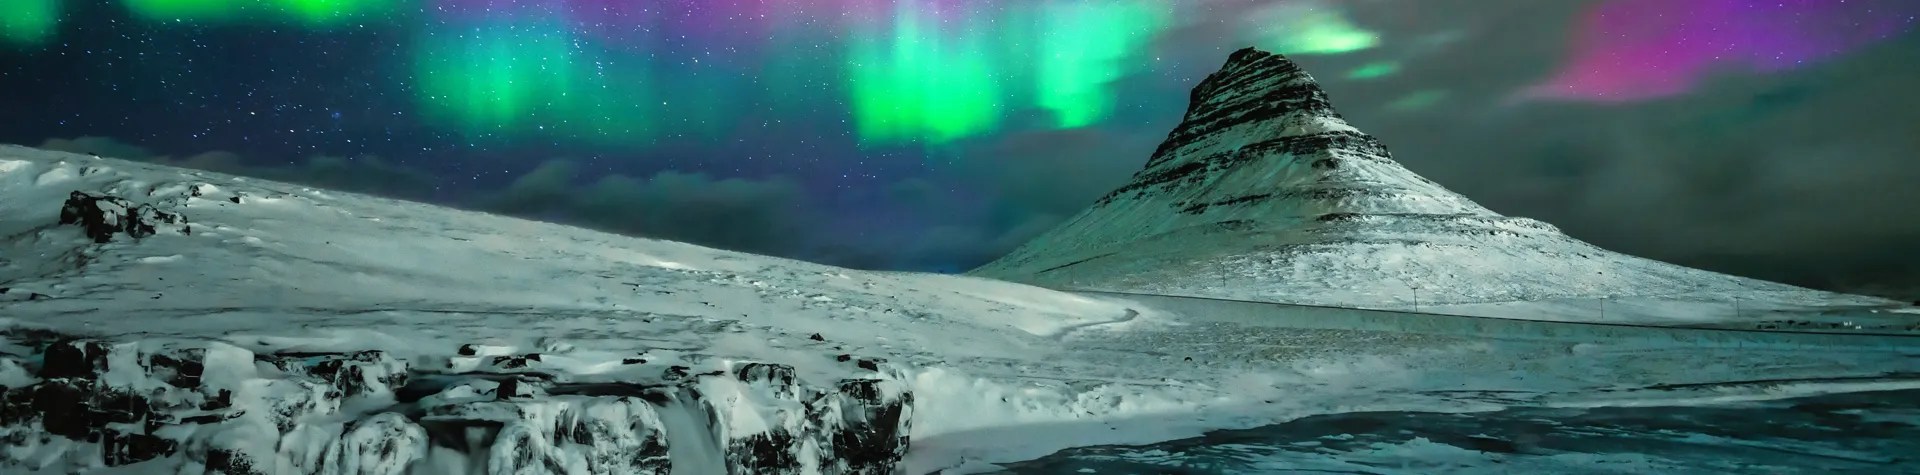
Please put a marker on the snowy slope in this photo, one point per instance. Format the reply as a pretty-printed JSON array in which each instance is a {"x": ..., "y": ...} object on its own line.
[
  {"x": 158, "y": 261},
  {"x": 204, "y": 323},
  {"x": 1265, "y": 193}
]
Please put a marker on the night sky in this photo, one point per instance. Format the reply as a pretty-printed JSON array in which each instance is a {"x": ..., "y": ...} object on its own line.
[{"x": 1775, "y": 139}]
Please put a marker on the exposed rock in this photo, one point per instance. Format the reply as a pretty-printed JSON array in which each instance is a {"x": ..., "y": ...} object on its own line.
[
  {"x": 101, "y": 403},
  {"x": 101, "y": 217}
]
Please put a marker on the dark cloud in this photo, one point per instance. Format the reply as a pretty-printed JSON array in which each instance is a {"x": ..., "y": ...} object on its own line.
[
  {"x": 1803, "y": 176},
  {"x": 102, "y": 146},
  {"x": 1028, "y": 181},
  {"x": 363, "y": 174},
  {"x": 767, "y": 216}
]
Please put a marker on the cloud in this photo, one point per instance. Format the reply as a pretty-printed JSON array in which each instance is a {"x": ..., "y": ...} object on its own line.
[
  {"x": 363, "y": 174},
  {"x": 1803, "y": 176},
  {"x": 768, "y": 216},
  {"x": 1027, "y": 182},
  {"x": 102, "y": 146}
]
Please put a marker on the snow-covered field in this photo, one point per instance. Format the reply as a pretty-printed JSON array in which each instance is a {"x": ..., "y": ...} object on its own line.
[{"x": 997, "y": 372}]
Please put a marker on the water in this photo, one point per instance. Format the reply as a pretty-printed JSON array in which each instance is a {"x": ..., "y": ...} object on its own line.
[{"x": 1864, "y": 433}]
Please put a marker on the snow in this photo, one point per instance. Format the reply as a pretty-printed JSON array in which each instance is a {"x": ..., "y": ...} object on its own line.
[{"x": 999, "y": 372}]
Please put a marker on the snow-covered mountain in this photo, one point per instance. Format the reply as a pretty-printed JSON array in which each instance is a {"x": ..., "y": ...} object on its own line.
[{"x": 1265, "y": 193}]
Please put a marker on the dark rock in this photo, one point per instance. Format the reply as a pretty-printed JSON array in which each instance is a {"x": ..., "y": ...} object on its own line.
[
  {"x": 230, "y": 462},
  {"x": 510, "y": 362},
  {"x": 854, "y": 427},
  {"x": 74, "y": 359},
  {"x": 874, "y": 435},
  {"x": 508, "y": 389},
  {"x": 235, "y": 199},
  {"x": 615, "y": 435},
  {"x": 101, "y": 217},
  {"x": 182, "y": 369},
  {"x": 777, "y": 376},
  {"x": 73, "y": 402},
  {"x": 817, "y": 337},
  {"x": 770, "y": 452},
  {"x": 354, "y": 374},
  {"x": 677, "y": 372},
  {"x": 119, "y": 448}
]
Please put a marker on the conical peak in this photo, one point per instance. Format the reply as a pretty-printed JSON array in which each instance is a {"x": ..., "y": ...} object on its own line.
[
  {"x": 1261, "y": 138},
  {"x": 1246, "y": 72},
  {"x": 1249, "y": 58},
  {"x": 1253, "y": 87}
]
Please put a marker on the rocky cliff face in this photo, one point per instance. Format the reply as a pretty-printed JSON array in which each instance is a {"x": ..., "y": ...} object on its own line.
[
  {"x": 207, "y": 407},
  {"x": 1264, "y": 192}
]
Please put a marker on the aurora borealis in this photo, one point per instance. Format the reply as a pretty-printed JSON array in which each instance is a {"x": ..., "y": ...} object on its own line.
[
  {"x": 1637, "y": 49},
  {"x": 932, "y": 134},
  {"x": 909, "y": 70}
]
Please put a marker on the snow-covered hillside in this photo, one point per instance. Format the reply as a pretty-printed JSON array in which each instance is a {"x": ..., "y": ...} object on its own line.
[
  {"x": 245, "y": 309},
  {"x": 162, "y": 320},
  {"x": 1265, "y": 193}
]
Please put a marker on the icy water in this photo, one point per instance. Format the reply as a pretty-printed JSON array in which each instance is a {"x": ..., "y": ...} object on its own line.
[{"x": 1863, "y": 433}]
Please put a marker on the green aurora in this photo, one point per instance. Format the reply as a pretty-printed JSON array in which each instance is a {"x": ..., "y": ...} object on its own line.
[
  {"x": 916, "y": 75},
  {"x": 29, "y": 22}
]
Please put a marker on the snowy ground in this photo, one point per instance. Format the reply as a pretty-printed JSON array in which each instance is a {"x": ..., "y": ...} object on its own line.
[
  {"x": 1002, "y": 372},
  {"x": 1538, "y": 274}
]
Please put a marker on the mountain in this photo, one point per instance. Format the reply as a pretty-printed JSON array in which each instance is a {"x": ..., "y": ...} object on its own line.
[{"x": 1264, "y": 192}]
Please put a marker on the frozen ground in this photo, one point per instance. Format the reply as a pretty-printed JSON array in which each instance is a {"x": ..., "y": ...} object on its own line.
[{"x": 1000, "y": 372}]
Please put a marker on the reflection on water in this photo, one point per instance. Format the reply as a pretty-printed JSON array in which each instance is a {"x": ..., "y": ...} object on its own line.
[{"x": 1865, "y": 433}]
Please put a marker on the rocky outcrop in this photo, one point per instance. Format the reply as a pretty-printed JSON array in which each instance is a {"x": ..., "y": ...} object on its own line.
[
  {"x": 102, "y": 217},
  {"x": 209, "y": 407}
]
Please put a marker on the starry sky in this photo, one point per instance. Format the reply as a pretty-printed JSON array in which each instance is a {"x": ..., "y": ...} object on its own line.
[{"x": 1776, "y": 139}]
